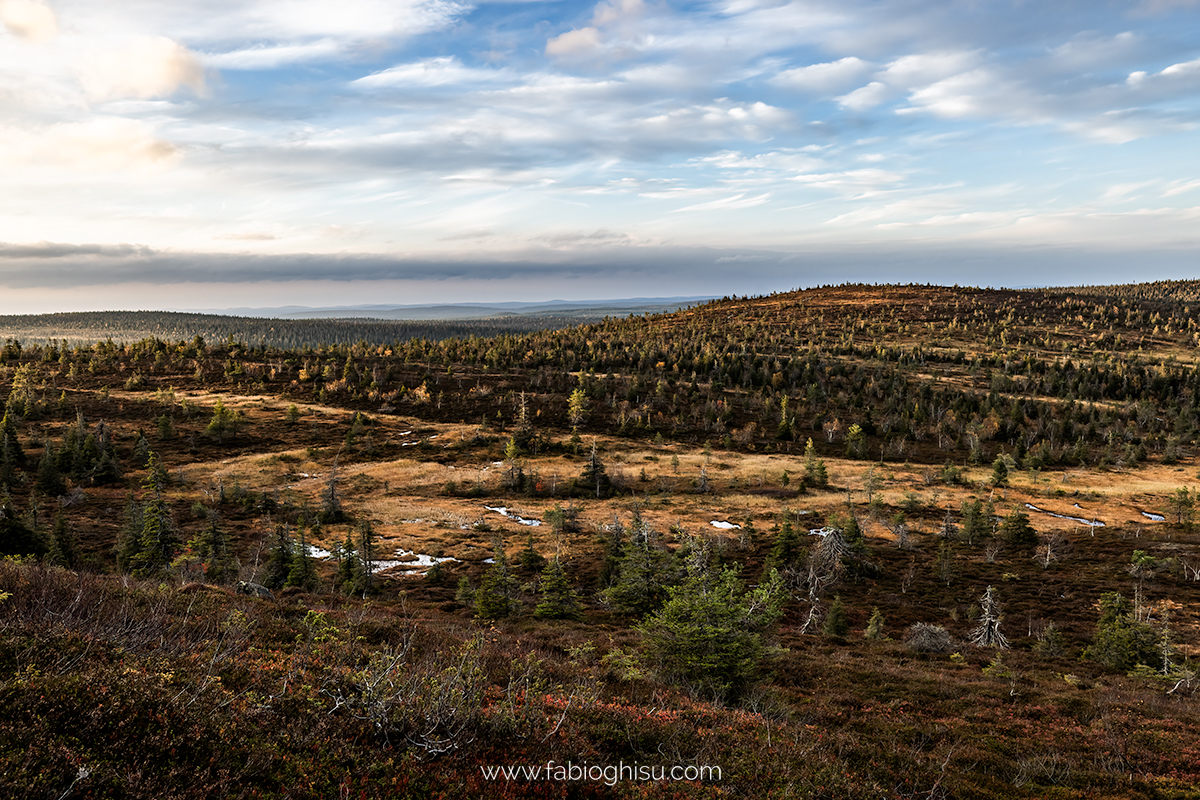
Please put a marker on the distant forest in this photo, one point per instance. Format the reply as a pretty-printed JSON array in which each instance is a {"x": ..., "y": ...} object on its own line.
[{"x": 86, "y": 327}]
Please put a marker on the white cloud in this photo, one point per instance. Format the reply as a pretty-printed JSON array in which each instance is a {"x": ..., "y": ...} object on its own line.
[
  {"x": 31, "y": 20},
  {"x": 616, "y": 11},
  {"x": 442, "y": 71},
  {"x": 575, "y": 42},
  {"x": 151, "y": 66},
  {"x": 865, "y": 97},
  {"x": 828, "y": 77},
  {"x": 274, "y": 56},
  {"x": 103, "y": 144},
  {"x": 729, "y": 203}
]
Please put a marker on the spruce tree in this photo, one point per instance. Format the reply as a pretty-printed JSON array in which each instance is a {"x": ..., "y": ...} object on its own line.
[
  {"x": 874, "y": 625},
  {"x": 594, "y": 478},
  {"x": 815, "y": 473},
  {"x": 279, "y": 562},
  {"x": 303, "y": 574},
  {"x": 1017, "y": 532},
  {"x": 708, "y": 636},
  {"x": 559, "y": 600},
  {"x": 158, "y": 539},
  {"x": 49, "y": 479},
  {"x": 837, "y": 624},
  {"x": 531, "y": 560},
  {"x": 496, "y": 597},
  {"x": 643, "y": 573},
  {"x": 62, "y": 549},
  {"x": 343, "y": 580}
]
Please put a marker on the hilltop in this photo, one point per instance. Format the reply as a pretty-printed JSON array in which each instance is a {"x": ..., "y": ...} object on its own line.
[{"x": 856, "y": 487}]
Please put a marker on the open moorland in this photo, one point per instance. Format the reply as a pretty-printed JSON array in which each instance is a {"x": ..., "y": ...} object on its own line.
[{"x": 853, "y": 541}]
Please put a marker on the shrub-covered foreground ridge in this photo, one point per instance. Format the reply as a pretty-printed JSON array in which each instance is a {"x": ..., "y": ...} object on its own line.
[{"x": 849, "y": 542}]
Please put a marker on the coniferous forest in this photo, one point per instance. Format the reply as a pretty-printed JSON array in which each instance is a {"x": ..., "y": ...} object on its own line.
[{"x": 844, "y": 542}]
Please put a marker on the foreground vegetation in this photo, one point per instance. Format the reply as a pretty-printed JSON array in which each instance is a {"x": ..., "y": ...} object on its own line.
[{"x": 849, "y": 542}]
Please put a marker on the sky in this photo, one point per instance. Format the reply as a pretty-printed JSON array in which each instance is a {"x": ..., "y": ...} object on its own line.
[{"x": 190, "y": 154}]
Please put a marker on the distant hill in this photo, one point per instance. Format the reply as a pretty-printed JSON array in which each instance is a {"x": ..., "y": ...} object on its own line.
[
  {"x": 294, "y": 326},
  {"x": 580, "y": 309}
]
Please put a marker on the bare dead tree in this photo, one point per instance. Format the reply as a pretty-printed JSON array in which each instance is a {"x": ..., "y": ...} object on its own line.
[{"x": 987, "y": 633}]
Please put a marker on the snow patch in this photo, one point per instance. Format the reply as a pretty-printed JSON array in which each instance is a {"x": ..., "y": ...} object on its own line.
[
  {"x": 822, "y": 532},
  {"x": 725, "y": 526},
  {"x": 1091, "y": 523},
  {"x": 317, "y": 552},
  {"x": 504, "y": 512},
  {"x": 1155, "y": 517}
]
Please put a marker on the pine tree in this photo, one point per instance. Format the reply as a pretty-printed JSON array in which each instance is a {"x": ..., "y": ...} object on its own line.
[
  {"x": 49, "y": 480},
  {"x": 1017, "y": 532},
  {"x": 708, "y": 635},
  {"x": 496, "y": 595},
  {"x": 224, "y": 422},
  {"x": 559, "y": 600},
  {"x": 531, "y": 560},
  {"x": 642, "y": 573},
  {"x": 343, "y": 580},
  {"x": 303, "y": 573},
  {"x": 814, "y": 468},
  {"x": 158, "y": 539},
  {"x": 594, "y": 478},
  {"x": 837, "y": 624},
  {"x": 279, "y": 562},
  {"x": 874, "y": 625},
  {"x": 62, "y": 550}
]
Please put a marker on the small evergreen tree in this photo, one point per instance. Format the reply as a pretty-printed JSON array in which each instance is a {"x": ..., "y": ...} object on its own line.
[
  {"x": 213, "y": 548},
  {"x": 975, "y": 525},
  {"x": 1017, "y": 532},
  {"x": 62, "y": 550},
  {"x": 595, "y": 478},
  {"x": 708, "y": 636},
  {"x": 874, "y": 630},
  {"x": 531, "y": 560},
  {"x": 465, "y": 593},
  {"x": 49, "y": 479},
  {"x": 303, "y": 572},
  {"x": 815, "y": 473},
  {"x": 496, "y": 597},
  {"x": 559, "y": 600},
  {"x": 158, "y": 539},
  {"x": 837, "y": 624},
  {"x": 279, "y": 562},
  {"x": 642, "y": 573},
  {"x": 343, "y": 579},
  {"x": 17, "y": 538},
  {"x": 1121, "y": 641},
  {"x": 999, "y": 472},
  {"x": 224, "y": 423}
]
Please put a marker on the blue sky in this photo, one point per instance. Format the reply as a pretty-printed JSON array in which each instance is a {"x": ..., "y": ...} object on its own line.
[{"x": 268, "y": 152}]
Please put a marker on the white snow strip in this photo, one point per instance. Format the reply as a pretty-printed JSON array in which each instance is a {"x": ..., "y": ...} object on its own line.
[
  {"x": 725, "y": 526},
  {"x": 317, "y": 552},
  {"x": 1155, "y": 517},
  {"x": 1091, "y": 523},
  {"x": 502, "y": 511},
  {"x": 423, "y": 559},
  {"x": 820, "y": 532}
]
